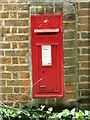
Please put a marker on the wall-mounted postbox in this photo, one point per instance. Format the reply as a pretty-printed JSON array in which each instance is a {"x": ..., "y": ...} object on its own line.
[{"x": 47, "y": 55}]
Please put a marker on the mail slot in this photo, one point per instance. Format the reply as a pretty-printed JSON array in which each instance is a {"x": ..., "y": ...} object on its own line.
[
  {"x": 46, "y": 30},
  {"x": 47, "y": 55}
]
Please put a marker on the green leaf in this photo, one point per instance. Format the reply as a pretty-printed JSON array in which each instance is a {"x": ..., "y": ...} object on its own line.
[
  {"x": 42, "y": 107},
  {"x": 66, "y": 112},
  {"x": 86, "y": 112},
  {"x": 50, "y": 109},
  {"x": 73, "y": 111},
  {"x": 1, "y": 117},
  {"x": 19, "y": 112},
  {"x": 59, "y": 115}
]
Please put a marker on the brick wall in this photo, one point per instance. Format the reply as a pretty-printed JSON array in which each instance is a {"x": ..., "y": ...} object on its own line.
[
  {"x": 15, "y": 52},
  {"x": 84, "y": 53}
]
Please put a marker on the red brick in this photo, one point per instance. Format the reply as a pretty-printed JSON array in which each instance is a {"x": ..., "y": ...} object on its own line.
[
  {"x": 84, "y": 85},
  {"x": 22, "y": 60},
  {"x": 69, "y": 70},
  {"x": 24, "y": 89},
  {"x": 15, "y": 75},
  {"x": 69, "y": 87},
  {"x": 15, "y": 60},
  {"x": 16, "y": 89},
  {"x": 83, "y": 27},
  {"x": 18, "y": 82},
  {"x": 7, "y": 89},
  {"x": 17, "y": 68},
  {"x": 85, "y": 64},
  {"x": 14, "y": 30},
  {"x": 1, "y": 53},
  {"x": 13, "y": 97},
  {"x": 2, "y": 68},
  {"x": 6, "y": 75},
  {"x": 83, "y": 20},
  {"x": 85, "y": 92},
  {"x": 24, "y": 75},
  {"x": 26, "y": 97},
  {"x": 83, "y": 12},
  {"x": 24, "y": 82},
  {"x": 83, "y": 57},
  {"x": 14, "y": 45},
  {"x": 5, "y": 30},
  {"x": 84, "y": 78},
  {"x": 10, "y": 53},
  {"x": 84, "y": 71},
  {"x": 85, "y": 50},
  {"x": 6, "y": 60},
  {"x": 5, "y": 45},
  {"x": 15, "y": 7},
  {"x": 84, "y": 43},
  {"x": 23, "y": 15},
  {"x": 16, "y": 38},
  {"x": 13, "y": 14},
  {"x": 13, "y": 83},
  {"x": 58, "y": 8},
  {"x": 84, "y": 5},
  {"x": 21, "y": 53},
  {"x": 69, "y": 26},
  {"x": 69, "y": 96},
  {"x": 23, "y": 30},
  {"x": 23, "y": 45},
  {"x": 16, "y": 22},
  {"x": 3, "y": 96},
  {"x": 3, "y": 82},
  {"x": 5, "y": 15}
]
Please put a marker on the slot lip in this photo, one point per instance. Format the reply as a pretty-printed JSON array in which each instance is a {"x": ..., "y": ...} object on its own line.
[
  {"x": 42, "y": 86},
  {"x": 54, "y": 30}
]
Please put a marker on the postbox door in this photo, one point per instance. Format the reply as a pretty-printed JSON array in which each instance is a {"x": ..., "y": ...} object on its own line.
[
  {"x": 47, "y": 55},
  {"x": 47, "y": 68}
]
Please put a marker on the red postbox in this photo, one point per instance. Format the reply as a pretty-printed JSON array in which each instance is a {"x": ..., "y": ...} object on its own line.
[{"x": 47, "y": 55}]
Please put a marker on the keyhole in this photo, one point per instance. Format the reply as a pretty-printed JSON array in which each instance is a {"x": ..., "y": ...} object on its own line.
[{"x": 43, "y": 71}]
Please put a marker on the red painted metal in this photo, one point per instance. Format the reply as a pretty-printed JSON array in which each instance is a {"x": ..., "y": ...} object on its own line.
[{"x": 47, "y": 75}]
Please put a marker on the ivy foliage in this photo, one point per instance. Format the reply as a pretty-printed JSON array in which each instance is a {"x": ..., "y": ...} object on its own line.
[{"x": 29, "y": 112}]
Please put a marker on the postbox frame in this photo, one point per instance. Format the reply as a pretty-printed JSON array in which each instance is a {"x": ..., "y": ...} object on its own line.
[{"x": 34, "y": 31}]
